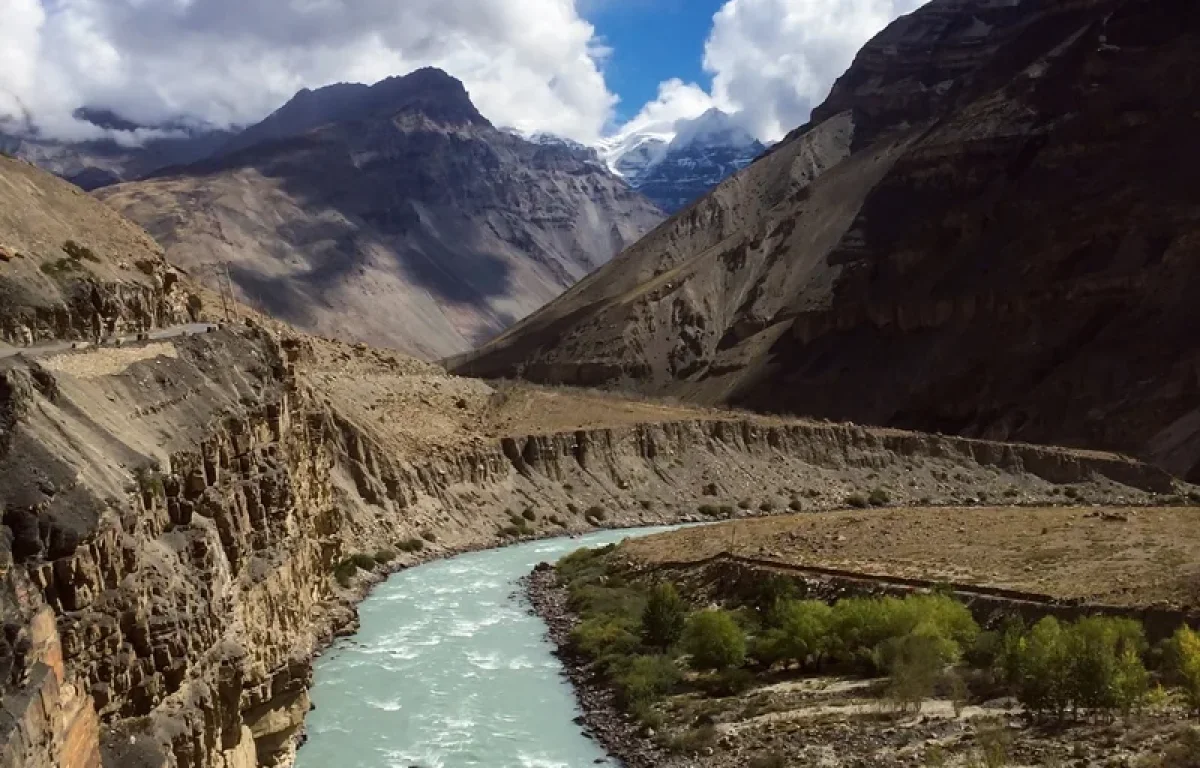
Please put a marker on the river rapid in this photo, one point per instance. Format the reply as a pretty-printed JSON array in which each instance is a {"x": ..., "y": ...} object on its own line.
[{"x": 450, "y": 670}]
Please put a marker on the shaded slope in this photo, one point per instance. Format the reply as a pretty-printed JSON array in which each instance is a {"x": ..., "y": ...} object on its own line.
[
  {"x": 413, "y": 224},
  {"x": 999, "y": 241}
]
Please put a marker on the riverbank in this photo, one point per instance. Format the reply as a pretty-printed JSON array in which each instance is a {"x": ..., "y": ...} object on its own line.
[{"x": 623, "y": 739}]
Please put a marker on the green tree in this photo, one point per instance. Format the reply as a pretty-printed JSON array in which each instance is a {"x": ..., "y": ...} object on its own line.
[
  {"x": 1044, "y": 684},
  {"x": 803, "y": 632},
  {"x": 665, "y": 617},
  {"x": 1185, "y": 663},
  {"x": 714, "y": 641}
]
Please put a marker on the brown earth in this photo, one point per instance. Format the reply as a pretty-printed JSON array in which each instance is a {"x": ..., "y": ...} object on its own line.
[{"x": 989, "y": 228}]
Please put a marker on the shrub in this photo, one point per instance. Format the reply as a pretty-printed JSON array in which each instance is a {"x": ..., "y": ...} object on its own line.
[
  {"x": 767, "y": 506},
  {"x": 78, "y": 252},
  {"x": 726, "y": 510},
  {"x": 714, "y": 641},
  {"x": 773, "y": 760},
  {"x": 411, "y": 545},
  {"x": 1095, "y": 663},
  {"x": 556, "y": 520},
  {"x": 857, "y": 500},
  {"x": 596, "y": 515},
  {"x": 879, "y": 498},
  {"x": 729, "y": 682},
  {"x": 795, "y": 505},
  {"x": 708, "y": 510},
  {"x": 364, "y": 561},
  {"x": 573, "y": 508},
  {"x": 916, "y": 661},
  {"x": 647, "y": 504},
  {"x": 529, "y": 515},
  {"x": 863, "y": 626},
  {"x": 385, "y": 556},
  {"x": 429, "y": 536},
  {"x": 801, "y": 632},
  {"x": 665, "y": 617},
  {"x": 1184, "y": 663},
  {"x": 605, "y": 636},
  {"x": 344, "y": 571},
  {"x": 710, "y": 489},
  {"x": 642, "y": 680},
  {"x": 745, "y": 504}
]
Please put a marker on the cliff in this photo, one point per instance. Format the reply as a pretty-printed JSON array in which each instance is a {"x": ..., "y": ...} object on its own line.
[
  {"x": 987, "y": 229},
  {"x": 180, "y": 508}
]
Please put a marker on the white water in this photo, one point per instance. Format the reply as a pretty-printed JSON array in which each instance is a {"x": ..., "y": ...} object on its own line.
[{"x": 451, "y": 670}]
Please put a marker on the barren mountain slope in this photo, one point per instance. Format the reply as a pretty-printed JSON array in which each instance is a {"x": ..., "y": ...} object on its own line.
[
  {"x": 409, "y": 221},
  {"x": 71, "y": 268},
  {"x": 989, "y": 228}
]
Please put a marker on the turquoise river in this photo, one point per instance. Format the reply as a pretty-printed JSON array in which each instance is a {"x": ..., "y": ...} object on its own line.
[{"x": 451, "y": 670}]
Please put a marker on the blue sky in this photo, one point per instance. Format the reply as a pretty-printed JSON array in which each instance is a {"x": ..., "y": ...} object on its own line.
[{"x": 652, "y": 41}]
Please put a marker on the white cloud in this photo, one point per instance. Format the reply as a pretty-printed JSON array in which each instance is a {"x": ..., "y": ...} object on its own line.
[
  {"x": 536, "y": 65},
  {"x": 775, "y": 60},
  {"x": 533, "y": 64},
  {"x": 771, "y": 61}
]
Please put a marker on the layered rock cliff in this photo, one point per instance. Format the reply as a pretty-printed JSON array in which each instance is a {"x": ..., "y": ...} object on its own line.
[
  {"x": 394, "y": 214},
  {"x": 988, "y": 229},
  {"x": 180, "y": 509}
]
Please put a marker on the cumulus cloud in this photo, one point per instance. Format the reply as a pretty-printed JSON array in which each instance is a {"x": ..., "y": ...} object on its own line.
[
  {"x": 772, "y": 61},
  {"x": 532, "y": 64},
  {"x": 535, "y": 65}
]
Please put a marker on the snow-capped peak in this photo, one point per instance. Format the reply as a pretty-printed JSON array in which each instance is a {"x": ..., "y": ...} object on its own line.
[{"x": 712, "y": 129}]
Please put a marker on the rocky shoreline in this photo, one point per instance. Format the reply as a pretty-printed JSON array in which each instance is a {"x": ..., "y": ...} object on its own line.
[{"x": 624, "y": 740}]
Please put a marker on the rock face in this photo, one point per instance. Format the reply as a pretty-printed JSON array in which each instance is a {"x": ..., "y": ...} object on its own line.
[
  {"x": 179, "y": 510},
  {"x": 989, "y": 228},
  {"x": 393, "y": 214},
  {"x": 71, "y": 268},
  {"x": 674, "y": 170}
]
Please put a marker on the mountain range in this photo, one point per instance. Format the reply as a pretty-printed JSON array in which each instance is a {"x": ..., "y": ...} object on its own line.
[
  {"x": 677, "y": 166},
  {"x": 988, "y": 228},
  {"x": 394, "y": 214}
]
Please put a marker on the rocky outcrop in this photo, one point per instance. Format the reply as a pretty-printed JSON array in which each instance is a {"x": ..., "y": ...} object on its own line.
[
  {"x": 393, "y": 214},
  {"x": 70, "y": 268},
  {"x": 180, "y": 510},
  {"x": 985, "y": 230}
]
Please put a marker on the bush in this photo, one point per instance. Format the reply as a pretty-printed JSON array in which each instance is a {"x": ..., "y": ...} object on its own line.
[
  {"x": 709, "y": 510},
  {"x": 411, "y": 545},
  {"x": 385, "y": 556},
  {"x": 596, "y": 515},
  {"x": 556, "y": 520},
  {"x": 363, "y": 561},
  {"x": 647, "y": 504},
  {"x": 767, "y": 506},
  {"x": 429, "y": 536},
  {"x": 795, "y": 505},
  {"x": 714, "y": 641},
  {"x": 730, "y": 682},
  {"x": 773, "y": 760},
  {"x": 665, "y": 617},
  {"x": 863, "y": 626},
  {"x": 1093, "y": 664},
  {"x": 529, "y": 515},
  {"x": 643, "y": 680},
  {"x": 344, "y": 572},
  {"x": 879, "y": 498},
  {"x": 801, "y": 632},
  {"x": 915, "y": 663},
  {"x": 745, "y": 504},
  {"x": 1184, "y": 663},
  {"x": 78, "y": 252},
  {"x": 858, "y": 501},
  {"x": 605, "y": 636}
]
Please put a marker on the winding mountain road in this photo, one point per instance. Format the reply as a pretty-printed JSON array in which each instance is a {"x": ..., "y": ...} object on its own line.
[{"x": 55, "y": 347}]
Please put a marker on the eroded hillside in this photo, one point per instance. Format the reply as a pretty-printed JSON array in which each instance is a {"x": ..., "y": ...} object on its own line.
[
  {"x": 989, "y": 228},
  {"x": 394, "y": 214}
]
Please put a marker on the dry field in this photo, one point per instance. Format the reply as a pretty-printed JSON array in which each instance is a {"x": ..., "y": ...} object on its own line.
[{"x": 1123, "y": 557}]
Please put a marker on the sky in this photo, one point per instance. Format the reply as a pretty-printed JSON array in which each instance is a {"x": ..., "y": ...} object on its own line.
[{"x": 583, "y": 69}]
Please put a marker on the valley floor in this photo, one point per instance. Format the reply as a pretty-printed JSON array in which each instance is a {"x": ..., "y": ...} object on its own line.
[{"x": 1002, "y": 563}]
